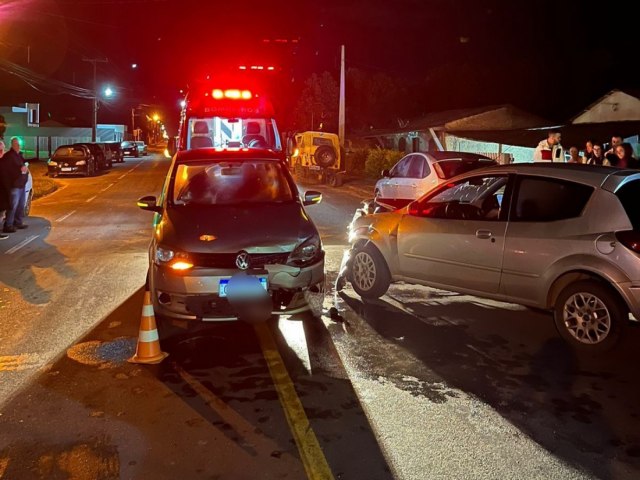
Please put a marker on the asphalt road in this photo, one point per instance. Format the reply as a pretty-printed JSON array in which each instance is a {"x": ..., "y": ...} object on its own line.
[{"x": 421, "y": 384}]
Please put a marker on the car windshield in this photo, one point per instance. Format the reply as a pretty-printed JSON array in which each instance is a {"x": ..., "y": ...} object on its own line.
[
  {"x": 230, "y": 182},
  {"x": 446, "y": 169},
  {"x": 69, "y": 152},
  {"x": 126, "y": 144}
]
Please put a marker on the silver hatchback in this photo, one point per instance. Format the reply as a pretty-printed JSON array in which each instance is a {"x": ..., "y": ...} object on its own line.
[{"x": 556, "y": 237}]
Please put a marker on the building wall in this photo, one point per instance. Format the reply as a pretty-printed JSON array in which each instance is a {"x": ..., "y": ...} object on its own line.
[{"x": 518, "y": 154}]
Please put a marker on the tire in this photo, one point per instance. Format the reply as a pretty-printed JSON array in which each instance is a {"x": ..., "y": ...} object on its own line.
[
  {"x": 607, "y": 316},
  {"x": 368, "y": 273},
  {"x": 325, "y": 156}
]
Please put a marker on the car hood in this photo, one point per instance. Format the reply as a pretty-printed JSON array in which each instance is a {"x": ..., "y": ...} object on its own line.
[{"x": 266, "y": 228}]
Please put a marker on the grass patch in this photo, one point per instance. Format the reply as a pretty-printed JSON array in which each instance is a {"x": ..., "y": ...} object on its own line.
[{"x": 42, "y": 185}]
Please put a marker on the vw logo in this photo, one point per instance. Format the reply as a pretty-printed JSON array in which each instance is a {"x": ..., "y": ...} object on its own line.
[{"x": 242, "y": 261}]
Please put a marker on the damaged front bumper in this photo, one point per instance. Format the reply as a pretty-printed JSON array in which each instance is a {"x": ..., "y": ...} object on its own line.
[{"x": 195, "y": 295}]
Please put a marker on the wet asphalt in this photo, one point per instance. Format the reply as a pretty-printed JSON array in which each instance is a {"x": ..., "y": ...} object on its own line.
[{"x": 421, "y": 384}]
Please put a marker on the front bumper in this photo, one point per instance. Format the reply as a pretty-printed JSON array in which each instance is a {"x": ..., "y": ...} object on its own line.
[
  {"x": 68, "y": 170},
  {"x": 194, "y": 295}
]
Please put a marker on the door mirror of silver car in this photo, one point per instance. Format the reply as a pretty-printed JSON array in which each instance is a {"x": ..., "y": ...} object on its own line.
[
  {"x": 312, "y": 197},
  {"x": 149, "y": 203},
  {"x": 386, "y": 173}
]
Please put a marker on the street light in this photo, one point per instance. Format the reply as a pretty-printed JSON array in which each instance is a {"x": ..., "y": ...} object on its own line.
[
  {"x": 156, "y": 117},
  {"x": 134, "y": 65},
  {"x": 108, "y": 92},
  {"x": 183, "y": 103}
]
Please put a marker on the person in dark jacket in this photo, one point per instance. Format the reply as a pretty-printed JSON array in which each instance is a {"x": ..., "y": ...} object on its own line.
[
  {"x": 14, "y": 174},
  {"x": 5, "y": 204}
]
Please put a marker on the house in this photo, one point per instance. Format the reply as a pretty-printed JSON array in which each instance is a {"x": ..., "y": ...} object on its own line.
[
  {"x": 446, "y": 131},
  {"x": 40, "y": 139}
]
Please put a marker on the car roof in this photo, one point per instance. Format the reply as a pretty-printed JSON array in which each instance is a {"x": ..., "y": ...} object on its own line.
[
  {"x": 227, "y": 154},
  {"x": 609, "y": 178},
  {"x": 451, "y": 155}
]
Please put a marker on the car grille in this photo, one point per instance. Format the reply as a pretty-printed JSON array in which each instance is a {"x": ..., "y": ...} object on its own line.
[{"x": 228, "y": 260}]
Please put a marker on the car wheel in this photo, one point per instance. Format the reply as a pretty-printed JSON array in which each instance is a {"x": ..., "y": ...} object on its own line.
[
  {"x": 92, "y": 168},
  {"x": 590, "y": 316},
  {"x": 368, "y": 273},
  {"x": 109, "y": 165}
]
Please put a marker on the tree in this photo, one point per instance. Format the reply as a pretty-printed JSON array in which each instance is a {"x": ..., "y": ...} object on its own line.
[{"x": 317, "y": 107}]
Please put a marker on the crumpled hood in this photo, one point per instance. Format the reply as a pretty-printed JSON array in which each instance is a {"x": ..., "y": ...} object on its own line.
[{"x": 263, "y": 228}]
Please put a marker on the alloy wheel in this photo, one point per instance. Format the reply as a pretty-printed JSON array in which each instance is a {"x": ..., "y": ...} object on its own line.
[
  {"x": 364, "y": 271},
  {"x": 587, "y": 318}
]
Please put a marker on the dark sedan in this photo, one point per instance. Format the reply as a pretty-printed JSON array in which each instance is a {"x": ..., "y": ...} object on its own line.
[
  {"x": 129, "y": 149},
  {"x": 72, "y": 160},
  {"x": 225, "y": 213}
]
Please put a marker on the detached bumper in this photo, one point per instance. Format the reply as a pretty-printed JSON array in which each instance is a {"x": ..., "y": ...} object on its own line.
[{"x": 194, "y": 296}]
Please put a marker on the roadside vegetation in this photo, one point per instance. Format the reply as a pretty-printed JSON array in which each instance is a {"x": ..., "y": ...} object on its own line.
[{"x": 42, "y": 185}]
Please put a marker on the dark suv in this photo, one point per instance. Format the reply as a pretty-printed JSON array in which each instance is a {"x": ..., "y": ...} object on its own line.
[
  {"x": 103, "y": 162},
  {"x": 224, "y": 213},
  {"x": 116, "y": 151}
]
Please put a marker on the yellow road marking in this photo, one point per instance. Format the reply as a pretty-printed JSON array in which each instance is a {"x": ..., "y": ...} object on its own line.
[{"x": 313, "y": 459}]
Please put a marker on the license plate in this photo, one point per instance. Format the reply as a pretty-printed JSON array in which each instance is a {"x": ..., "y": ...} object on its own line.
[
  {"x": 66, "y": 169},
  {"x": 222, "y": 287},
  {"x": 314, "y": 167}
]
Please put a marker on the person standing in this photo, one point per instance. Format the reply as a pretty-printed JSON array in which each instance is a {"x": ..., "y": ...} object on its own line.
[
  {"x": 5, "y": 203},
  {"x": 549, "y": 150},
  {"x": 574, "y": 155},
  {"x": 611, "y": 153},
  {"x": 588, "y": 151},
  {"x": 625, "y": 158},
  {"x": 597, "y": 157},
  {"x": 15, "y": 173}
]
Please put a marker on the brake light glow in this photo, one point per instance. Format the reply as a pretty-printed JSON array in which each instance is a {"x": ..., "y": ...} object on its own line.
[
  {"x": 217, "y": 94},
  {"x": 181, "y": 265}
]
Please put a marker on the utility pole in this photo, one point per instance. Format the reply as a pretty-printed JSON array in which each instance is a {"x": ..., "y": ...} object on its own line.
[
  {"x": 94, "y": 62},
  {"x": 133, "y": 122},
  {"x": 341, "y": 110}
]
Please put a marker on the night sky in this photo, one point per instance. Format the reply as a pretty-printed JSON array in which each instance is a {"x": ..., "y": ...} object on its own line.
[{"x": 550, "y": 57}]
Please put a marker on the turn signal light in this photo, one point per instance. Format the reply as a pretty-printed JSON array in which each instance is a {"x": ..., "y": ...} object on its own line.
[{"x": 181, "y": 265}]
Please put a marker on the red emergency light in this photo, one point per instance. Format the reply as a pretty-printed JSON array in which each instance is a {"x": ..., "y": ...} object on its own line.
[{"x": 232, "y": 94}]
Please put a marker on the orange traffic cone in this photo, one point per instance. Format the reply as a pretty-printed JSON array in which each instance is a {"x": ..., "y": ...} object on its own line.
[{"x": 148, "y": 349}]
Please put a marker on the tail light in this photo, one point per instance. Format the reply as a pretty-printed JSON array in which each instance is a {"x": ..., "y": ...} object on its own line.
[{"x": 630, "y": 239}]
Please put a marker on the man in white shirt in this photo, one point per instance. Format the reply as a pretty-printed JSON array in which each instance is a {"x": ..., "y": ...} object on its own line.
[{"x": 549, "y": 150}]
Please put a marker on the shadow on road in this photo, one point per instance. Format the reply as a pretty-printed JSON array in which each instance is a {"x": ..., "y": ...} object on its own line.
[
  {"x": 42, "y": 257},
  {"x": 210, "y": 410},
  {"x": 581, "y": 408}
]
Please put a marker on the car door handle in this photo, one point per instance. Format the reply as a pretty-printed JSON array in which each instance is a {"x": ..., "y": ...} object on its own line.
[{"x": 483, "y": 234}]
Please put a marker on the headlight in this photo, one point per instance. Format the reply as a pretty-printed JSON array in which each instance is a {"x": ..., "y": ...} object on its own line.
[
  {"x": 306, "y": 253},
  {"x": 163, "y": 255},
  {"x": 172, "y": 259},
  {"x": 81, "y": 162},
  {"x": 52, "y": 163}
]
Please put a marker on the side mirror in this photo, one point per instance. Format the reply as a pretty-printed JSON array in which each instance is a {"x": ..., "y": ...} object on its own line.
[
  {"x": 149, "y": 203},
  {"x": 386, "y": 173},
  {"x": 312, "y": 198}
]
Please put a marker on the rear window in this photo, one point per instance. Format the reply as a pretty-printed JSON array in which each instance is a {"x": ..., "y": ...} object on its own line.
[
  {"x": 229, "y": 183},
  {"x": 547, "y": 200},
  {"x": 319, "y": 141},
  {"x": 446, "y": 169},
  {"x": 629, "y": 195}
]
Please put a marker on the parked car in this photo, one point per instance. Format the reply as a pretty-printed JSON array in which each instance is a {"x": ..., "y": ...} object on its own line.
[
  {"x": 74, "y": 159},
  {"x": 102, "y": 160},
  {"x": 116, "y": 151},
  {"x": 564, "y": 238},
  {"x": 224, "y": 213},
  {"x": 129, "y": 149},
  {"x": 142, "y": 148},
  {"x": 417, "y": 173},
  {"x": 28, "y": 194}
]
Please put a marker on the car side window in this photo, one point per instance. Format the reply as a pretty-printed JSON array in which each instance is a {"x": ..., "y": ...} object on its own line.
[
  {"x": 415, "y": 167},
  {"x": 401, "y": 169},
  {"x": 475, "y": 198},
  {"x": 547, "y": 200}
]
